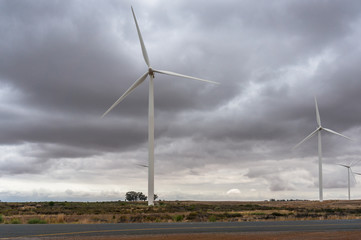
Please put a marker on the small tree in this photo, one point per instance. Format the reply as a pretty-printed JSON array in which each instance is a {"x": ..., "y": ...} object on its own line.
[
  {"x": 142, "y": 197},
  {"x": 131, "y": 196}
]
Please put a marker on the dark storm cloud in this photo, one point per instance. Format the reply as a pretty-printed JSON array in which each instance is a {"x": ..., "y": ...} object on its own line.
[
  {"x": 309, "y": 29},
  {"x": 275, "y": 33},
  {"x": 66, "y": 60},
  {"x": 60, "y": 61},
  {"x": 63, "y": 63}
]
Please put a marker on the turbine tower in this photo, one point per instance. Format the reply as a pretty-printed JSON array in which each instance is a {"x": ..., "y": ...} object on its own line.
[
  {"x": 150, "y": 72},
  {"x": 349, "y": 172},
  {"x": 318, "y": 131}
]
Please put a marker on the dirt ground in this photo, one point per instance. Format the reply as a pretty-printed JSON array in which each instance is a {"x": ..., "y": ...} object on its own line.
[{"x": 341, "y": 235}]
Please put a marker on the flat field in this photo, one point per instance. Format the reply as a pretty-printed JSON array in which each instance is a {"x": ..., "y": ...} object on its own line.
[{"x": 175, "y": 211}]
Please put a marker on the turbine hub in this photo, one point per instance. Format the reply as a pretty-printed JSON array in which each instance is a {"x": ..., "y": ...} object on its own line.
[{"x": 151, "y": 72}]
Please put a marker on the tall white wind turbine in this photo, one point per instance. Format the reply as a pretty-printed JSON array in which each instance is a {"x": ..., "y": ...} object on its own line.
[
  {"x": 150, "y": 72},
  {"x": 349, "y": 173},
  {"x": 318, "y": 131}
]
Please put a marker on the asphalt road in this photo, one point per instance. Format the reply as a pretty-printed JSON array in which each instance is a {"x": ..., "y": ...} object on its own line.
[{"x": 62, "y": 230}]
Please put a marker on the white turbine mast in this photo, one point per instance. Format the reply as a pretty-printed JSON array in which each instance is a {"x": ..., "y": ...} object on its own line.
[
  {"x": 318, "y": 131},
  {"x": 150, "y": 72},
  {"x": 350, "y": 173}
]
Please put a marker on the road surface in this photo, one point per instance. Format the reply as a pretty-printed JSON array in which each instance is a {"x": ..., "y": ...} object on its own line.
[{"x": 8, "y": 231}]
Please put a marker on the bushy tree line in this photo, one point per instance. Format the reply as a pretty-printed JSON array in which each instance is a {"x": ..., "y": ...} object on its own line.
[{"x": 137, "y": 196}]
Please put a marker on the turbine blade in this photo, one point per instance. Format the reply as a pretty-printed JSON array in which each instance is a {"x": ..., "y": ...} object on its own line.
[
  {"x": 351, "y": 164},
  {"x": 141, "y": 165},
  {"x": 317, "y": 114},
  {"x": 354, "y": 163},
  {"x": 144, "y": 51},
  {"x": 181, "y": 75},
  {"x": 135, "y": 84},
  {"x": 343, "y": 165},
  {"x": 356, "y": 173},
  {"x": 331, "y": 131},
  {"x": 306, "y": 138}
]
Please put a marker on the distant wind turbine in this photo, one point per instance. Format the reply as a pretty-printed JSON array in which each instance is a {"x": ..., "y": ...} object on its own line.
[
  {"x": 150, "y": 72},
  {"x": 318, "y": 131},
  {"x": 352, "y": 173},
  {"x": 141, "y": 165}
]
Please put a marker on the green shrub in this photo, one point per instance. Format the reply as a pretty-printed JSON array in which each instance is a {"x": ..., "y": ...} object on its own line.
[
  {"x": 36, "y": 221},
  {"x": 232, "y": 215},
  {"x": 212, "y": 218},
  {"x": 277, "y": 214},
  {"x": 258, "y": 213},
  {"x": 192, "y": 216},
  {"x": 15, "y": 221},
  {"x": 178, "y": 218},
  {"x": 1, "y": 218}
]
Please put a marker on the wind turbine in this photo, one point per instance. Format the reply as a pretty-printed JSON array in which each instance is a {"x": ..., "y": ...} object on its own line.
[
  {"x": 318, "y": 131},
  {"x": 150, "y": 72},
  {"x": 349, "y": 170},
  {"x": 141, "y": 165}
]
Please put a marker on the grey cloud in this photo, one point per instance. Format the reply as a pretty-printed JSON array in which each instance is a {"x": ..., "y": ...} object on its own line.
[{"x": 63, "y": 63}]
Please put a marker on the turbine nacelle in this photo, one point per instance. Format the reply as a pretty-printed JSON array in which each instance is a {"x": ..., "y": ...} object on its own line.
[{"x": 151, "y": 72}]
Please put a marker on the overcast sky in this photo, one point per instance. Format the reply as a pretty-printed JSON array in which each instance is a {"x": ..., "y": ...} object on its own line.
[{"x": 63, "y": 63}]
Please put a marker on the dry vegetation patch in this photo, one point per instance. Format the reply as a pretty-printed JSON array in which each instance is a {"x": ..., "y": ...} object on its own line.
[{"x": 175, "y": 211}]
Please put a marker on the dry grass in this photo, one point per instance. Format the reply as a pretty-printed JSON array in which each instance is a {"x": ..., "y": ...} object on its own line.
[{"x": 185, "y": 211}]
